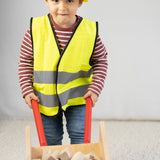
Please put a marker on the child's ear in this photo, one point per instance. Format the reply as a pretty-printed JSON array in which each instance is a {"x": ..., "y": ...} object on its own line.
[
  {"x": 80, "y": 3},
  {"x": 46, "y": 1}
]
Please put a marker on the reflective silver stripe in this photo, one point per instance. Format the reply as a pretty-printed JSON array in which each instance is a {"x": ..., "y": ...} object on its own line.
[
  {"x": 49, "y": 77},
  {"x": 52, "y": 101},
  {"x": 64, "y": 77},
  {"x": 47, "y": 100},
  {"x": 73, "y": 93}
]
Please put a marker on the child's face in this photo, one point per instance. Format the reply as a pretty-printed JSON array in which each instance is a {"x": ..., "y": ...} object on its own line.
[{"x": 63, "y": 11}]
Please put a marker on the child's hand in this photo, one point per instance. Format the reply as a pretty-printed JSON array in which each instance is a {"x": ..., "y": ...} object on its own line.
[
  {"x": 29, "y": 97},
  {"x": 93, "y": 96}
]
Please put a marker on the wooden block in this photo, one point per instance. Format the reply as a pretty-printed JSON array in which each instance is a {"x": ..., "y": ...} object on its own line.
[
  {"x": 65, "y": 154},
  {"x": 87, "y": 157},
  {"x": 91, "y": 156},
  {"x": 54, "y": 155},
  {"x": 78, "y": 156},
  {"x": 46, "y": 154}
]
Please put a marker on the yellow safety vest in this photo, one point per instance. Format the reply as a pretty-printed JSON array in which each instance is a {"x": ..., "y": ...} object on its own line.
[{"x": 61, "y": 79}]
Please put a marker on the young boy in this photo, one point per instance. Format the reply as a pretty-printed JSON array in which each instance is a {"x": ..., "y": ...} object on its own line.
[{"x": 59, "y": 54}]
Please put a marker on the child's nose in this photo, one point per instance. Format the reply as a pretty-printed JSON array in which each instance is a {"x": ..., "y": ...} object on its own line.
[{"x": 62, "y": 6}]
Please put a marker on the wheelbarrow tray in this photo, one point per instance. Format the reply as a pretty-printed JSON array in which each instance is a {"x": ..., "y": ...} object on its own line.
[{"x": 100, "y": 148}]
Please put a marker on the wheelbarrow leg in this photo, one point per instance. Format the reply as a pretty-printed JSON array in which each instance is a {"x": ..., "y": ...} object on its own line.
[
  {"x": 103, "y": 141},
  {"x": 28, "y": 144}
]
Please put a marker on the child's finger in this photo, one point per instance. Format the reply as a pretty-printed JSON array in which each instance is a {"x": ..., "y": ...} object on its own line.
[
  {"x": 94, "y": 98},
  {"x": 29, "y": 97},
  {"x": 28, "y": 101},
  {"x": 29, "y": 104},
  {"x": 35, "y": 97},
  {"x": 87, "y": 95},
  {"x": 93, "y": 101}
]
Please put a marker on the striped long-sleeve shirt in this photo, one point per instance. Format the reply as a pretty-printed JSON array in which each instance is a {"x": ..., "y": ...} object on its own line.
[{"x": 99, "y": 60}]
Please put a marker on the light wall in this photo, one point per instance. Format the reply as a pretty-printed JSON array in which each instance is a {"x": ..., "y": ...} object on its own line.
[{"x": 130, "y": 31}]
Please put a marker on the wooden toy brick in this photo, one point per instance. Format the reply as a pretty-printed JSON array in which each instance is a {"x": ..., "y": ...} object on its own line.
[
  {"x": 78, "y": 156},
  {"x": 65, "y": 154},
  {"x": 54, "y": 155}
]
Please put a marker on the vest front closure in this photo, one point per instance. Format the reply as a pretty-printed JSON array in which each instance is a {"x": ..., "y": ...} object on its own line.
[{"x": 61, "y": 52}]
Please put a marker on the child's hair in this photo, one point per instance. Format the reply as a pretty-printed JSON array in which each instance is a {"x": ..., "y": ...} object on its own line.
[{"x": 80, "y": 1}]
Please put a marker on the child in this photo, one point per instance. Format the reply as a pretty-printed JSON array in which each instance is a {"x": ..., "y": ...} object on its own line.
[{"x": 59, "y": 54}]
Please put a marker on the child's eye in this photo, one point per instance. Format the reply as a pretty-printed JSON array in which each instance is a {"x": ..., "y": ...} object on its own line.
[
  {"x": 54, "y": 0},
  {"x": 70, "y": 1}
]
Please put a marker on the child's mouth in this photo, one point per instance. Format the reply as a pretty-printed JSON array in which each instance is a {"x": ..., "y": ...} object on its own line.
[{"x": 63, "y": 14}]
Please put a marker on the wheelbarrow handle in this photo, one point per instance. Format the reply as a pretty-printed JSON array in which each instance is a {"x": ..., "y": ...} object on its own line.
[
  {"x": 88, "y": 119},
  {"x": 39, "y": 124},
  {"x": 40, "y": 129}
]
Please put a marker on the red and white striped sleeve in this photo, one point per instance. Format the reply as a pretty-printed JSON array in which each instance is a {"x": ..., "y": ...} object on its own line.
[
  {"x": 25, "y": 71},
  {"x": 100, "y": 66}
]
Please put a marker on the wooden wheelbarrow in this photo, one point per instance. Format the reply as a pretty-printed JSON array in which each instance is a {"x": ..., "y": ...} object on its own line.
[{"x": 100, "y": 148}]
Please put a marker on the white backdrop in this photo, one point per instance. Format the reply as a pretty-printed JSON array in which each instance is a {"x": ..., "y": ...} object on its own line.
[{"x": 130, "y": 30}]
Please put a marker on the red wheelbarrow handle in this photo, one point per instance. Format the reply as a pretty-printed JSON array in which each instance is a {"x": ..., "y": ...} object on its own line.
[
  {"x": 40, "y": 129},
  {"x": 39, "y": 125},
  {"x": 88, "y": 119}
]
